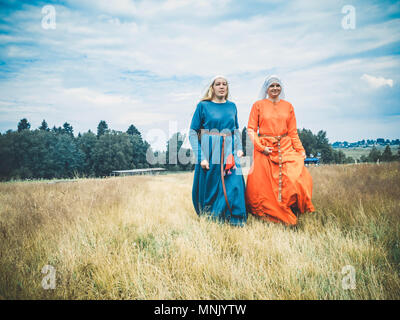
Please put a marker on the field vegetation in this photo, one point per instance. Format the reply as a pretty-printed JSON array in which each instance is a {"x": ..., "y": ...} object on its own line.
[{"x": 139, "y": 238}]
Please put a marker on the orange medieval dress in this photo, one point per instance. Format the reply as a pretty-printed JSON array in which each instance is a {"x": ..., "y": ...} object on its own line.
[{"x": 278, "y": 182}]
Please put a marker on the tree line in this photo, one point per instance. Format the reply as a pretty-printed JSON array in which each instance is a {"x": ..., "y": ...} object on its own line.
[
  {"x": 317, "y": 145},
  {"x": 56, "y": 153},
  {"x": 385, "y": 156},
  {"x": 46, "y": 153}
]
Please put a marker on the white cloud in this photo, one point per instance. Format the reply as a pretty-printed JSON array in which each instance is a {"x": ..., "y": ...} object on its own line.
[
  {"x": 142, "y": 118},
  {"x": 377, "y": 82},
  {"x": 120, "y": 7},
  {"x": 16, "y": 52},
  {"x": 150, "y": 9},
  {"x": 183, "y": 96},
  {"x": 144, "y": 62},
  {"x": 98, "y": 99}
]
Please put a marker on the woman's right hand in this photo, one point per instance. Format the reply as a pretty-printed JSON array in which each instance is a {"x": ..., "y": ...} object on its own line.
[
  {"x": 205, "y": 165},
  {"x": 268, "y": 150}
]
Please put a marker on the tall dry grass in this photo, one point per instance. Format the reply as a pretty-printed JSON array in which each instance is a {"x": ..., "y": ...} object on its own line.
[{"x": 139, "y": 238}]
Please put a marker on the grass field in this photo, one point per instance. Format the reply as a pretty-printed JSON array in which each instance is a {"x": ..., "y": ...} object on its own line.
[{"x": 139, "y": 238}]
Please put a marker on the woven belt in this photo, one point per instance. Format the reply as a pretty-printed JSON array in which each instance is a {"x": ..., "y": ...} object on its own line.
[
  {"x": 214, "y": 133},
  {"x": 276, "y": 137},
  {"x": 223, "y": 135},
  {"x": 280, "y": 160}
]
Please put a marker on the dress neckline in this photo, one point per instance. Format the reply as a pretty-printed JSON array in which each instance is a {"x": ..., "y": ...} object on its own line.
[
  {"x": 218, "y": 102},
  {"x": 274, "y": 102}
]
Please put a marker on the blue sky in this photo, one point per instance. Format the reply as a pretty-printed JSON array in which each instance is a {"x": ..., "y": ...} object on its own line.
[{"x": 147, "y": 62}]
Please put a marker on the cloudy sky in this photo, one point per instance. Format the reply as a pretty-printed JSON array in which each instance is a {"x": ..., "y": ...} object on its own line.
[{"x": 147, "y": 62}]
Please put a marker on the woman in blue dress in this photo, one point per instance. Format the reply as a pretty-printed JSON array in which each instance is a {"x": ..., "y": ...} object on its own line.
[{"x": 218, "y": 184}]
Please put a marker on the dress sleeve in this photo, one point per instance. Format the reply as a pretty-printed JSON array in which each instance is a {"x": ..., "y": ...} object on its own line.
[
  {"x": 194, "y": 132},
  {"x": 252, "y": 128},
  {"x": 292, "y": 131},
  {"x": 237, "y": 134}
]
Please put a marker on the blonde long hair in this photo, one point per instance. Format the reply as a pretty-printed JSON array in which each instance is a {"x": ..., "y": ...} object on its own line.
[{"x": 209, "y": 94}]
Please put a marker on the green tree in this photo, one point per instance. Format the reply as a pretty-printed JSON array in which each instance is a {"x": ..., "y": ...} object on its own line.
[
  {"x": 102, "y": 128},
  {"x": 67, "y": 129},
  {"x": 339, "y": 157},
  {"x": 327, "y": 155},
  {"x": 21, "y": 146},
  {"x": 374, "y": 155},
  {"x": 319, "y": 143},
  {"x": 326, "y": 150},
  {"x": 86, "y": 143},
  {"x": 38, "y": 157},
  {"x": 364, "y": 158},
  {"x": 67, "y": 157},
  {"x": 38, "y": 154},
  {"x": 139, "y": 149},
  {"x": 387, "y": 154},
  {"x": 58, "y": 130},
  {"x": 132, "y": 130},
  {"x": 173, "y": 146},
  {"x": 44, "y": 126},
  {"x": 308, "y": 141},
  {"x": 113, "y": 151},
  {"x": 23, "y": 124},
  {"x": 185, "y": 156},
  {"x": 349, "y": 160},
  {"x": 176, "y": 154},
  {"x": 7, "y": 155}
]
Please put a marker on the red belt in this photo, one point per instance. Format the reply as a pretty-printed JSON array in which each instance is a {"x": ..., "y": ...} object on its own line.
[{"x": 223, "y": 135}]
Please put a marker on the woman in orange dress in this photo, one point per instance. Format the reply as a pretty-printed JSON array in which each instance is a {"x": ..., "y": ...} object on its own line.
[{"x": 279, "y": 186}]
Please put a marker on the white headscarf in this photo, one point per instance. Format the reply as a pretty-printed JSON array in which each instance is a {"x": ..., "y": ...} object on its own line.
[
  {"x": 268, "y": 81},
  {"x": 205, "y": 90}
]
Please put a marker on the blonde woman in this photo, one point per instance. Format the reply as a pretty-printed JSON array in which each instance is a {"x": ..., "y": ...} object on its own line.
[{"x": 218, "y": 184}]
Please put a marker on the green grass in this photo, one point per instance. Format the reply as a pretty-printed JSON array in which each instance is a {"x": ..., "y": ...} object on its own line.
[{"x": 139, "y": 237}]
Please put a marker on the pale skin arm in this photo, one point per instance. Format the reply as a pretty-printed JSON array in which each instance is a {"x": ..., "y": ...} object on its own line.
[
  {"x": 205, "y": 165},
  {"x": 268, "y": 150}
]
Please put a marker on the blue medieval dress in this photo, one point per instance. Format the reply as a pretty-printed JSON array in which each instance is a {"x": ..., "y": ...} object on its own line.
[{"x": 220, "y": 191}]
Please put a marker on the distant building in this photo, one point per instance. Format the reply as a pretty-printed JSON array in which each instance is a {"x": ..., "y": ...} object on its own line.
[
  {"x": 136, "y": 171},
  {"x": 380, "y": 141}
]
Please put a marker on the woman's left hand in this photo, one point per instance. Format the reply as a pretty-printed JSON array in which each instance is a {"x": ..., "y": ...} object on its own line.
[{"x": 240, "y": 153}]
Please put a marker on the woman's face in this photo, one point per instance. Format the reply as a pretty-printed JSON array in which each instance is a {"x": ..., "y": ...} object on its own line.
[
  {"x": 274, "y": 90},
  {"x": 220, "y": 87}
]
